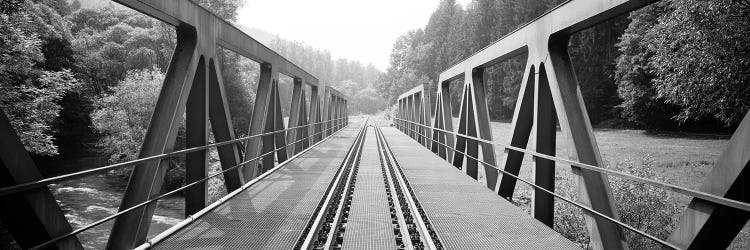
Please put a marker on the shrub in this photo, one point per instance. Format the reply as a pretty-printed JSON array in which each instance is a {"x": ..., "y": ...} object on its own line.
[
  {"x": 641, "y": 206},
  {"x": 122, "y": 118}
]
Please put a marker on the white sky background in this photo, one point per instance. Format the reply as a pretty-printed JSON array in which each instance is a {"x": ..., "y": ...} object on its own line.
[{"x": 352, "y": 29}]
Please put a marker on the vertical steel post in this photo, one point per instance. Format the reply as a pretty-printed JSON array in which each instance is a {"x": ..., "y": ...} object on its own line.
[
  {"x": 258, "y": 123},
  {"x": 544, "y": 170},
  {"x": 295, "y": 113},
  {"x": 315, "y": 116},
  {"x": 196, "y": 132}
]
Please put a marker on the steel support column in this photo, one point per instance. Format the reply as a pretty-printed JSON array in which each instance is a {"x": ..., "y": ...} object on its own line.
[
  {"x": 196, "y": 132},
  {"x": 315, "y": 116},
  {"x": 259, "y": 122},
  {"x": 545, "y": 120}
]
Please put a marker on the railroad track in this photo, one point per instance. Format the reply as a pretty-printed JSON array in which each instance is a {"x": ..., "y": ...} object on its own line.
[{"x": 409, "y": 226}]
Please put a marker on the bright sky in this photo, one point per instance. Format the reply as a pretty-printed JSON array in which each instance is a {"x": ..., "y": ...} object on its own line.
[{"x": 352, "y": 29}]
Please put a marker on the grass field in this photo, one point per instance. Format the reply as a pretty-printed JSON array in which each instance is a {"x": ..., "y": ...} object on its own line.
[
  {"x": 682, "y": 159},
  {"x": 678, "y": 158}
]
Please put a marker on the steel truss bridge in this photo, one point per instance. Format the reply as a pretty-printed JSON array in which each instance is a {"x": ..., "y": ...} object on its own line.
[{"x": 323, "y": 181}]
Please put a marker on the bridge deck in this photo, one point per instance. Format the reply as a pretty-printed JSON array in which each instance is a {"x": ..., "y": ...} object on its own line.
[
  {"x": 369, "y": 225},
  {"x": 464, "y": 213},
  {"x": 272, "y": 213}
]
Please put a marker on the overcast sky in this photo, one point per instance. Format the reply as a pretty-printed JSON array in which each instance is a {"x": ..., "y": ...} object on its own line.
[{"x": 352, "y": 29}]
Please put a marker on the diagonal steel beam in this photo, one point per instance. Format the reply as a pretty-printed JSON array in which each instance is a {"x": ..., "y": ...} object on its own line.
[
  {"x": 32, "y": 217},
  {"x": 130, "y": 229},
  {"x": 705, "y": 225}
]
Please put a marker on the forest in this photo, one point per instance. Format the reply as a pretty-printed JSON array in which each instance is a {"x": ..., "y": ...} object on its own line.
[{"x": 674, "y": 65}]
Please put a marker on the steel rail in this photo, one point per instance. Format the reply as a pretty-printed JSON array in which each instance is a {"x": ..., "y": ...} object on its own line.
[
  {"x": 396, "y": 202},
  {"x": 43, "y": 182},
  {"x": 346, "y": 192},
  {"x": 108, "y": 218},
  {"x": 400, "y": 177},
  {"x": 163, "y": 235},
  {"x": 309, "y": 236},
  {"x": 666, "y": 186},
  {"x": 584, "y": 207}
]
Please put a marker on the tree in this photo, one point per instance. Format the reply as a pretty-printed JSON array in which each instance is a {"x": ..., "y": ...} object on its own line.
[
  {"x": 633, "y": 74},
  {"x": 29, "y": 93},
  {"x": 701, "y": 57},
  {"x": 592, "y": 52},
  {"x": 111, "y": 41},
  {"x": 122, "y": 118}
]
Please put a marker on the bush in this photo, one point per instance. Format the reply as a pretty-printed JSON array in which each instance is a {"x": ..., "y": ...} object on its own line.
[
  {"x": 122, "y": 118},
  {"x": 391, "y": 112},
  {"x": 641, "y": 206}
]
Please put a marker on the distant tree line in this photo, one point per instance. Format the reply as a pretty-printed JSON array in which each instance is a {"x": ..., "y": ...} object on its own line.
[
  {"x": 82, "y": 78},
  {"x": 353, "y": 78},
  {"x": 677, "y": 64}
]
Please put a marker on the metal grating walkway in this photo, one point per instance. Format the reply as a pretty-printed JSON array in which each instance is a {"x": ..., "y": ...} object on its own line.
[
  {"x": 272, "y": 213},
  {"x": 465, "y": 214},
  {"x": 369, "y": 224}
]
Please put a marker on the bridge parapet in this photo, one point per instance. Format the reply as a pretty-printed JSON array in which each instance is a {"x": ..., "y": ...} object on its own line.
[
  {"x": 193, "y": 86},
  {"x": 549, "y": 93}
]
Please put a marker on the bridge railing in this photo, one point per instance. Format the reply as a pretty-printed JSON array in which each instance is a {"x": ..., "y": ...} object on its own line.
[
  {"x": 5, "y": 191},
  {"x": 192, "y": 86},
  {"x": 549, "y": 93}
]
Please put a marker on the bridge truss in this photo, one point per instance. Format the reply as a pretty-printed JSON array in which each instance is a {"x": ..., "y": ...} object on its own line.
[
  {"x": 192, "y": 86},
  {"x": 550, "y": 93}
]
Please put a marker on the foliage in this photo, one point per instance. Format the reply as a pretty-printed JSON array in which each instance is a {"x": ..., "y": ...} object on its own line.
[
  {"x": 640, "y": 105},
  {"x": 350, "y": 77},
  {"x": 111, "y": 41},
  {"x": 640, "y": 205},
  {"x": 240, "y": 77},
  {"x": 681, "y": 59},
  {"x": 685, "y": 61},
  {"x": 701, "y": 57},
  {"x": 30, "y": 93},
  {"x": 226, "y": 9},
  {"x": 643, "y": 206},
  {"x": 122, "y": 118},
  {"x": 453, "y": 33}
]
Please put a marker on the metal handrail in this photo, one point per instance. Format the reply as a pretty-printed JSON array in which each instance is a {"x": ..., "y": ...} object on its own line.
[
  {"x": 43, "y": 182},
  {"x": 666, "y": 186},
  {"x": 566, "y": 199},
  {"x": 108, "y": 218}
]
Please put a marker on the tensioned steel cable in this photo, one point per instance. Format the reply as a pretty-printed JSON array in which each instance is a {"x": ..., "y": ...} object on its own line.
[
  {"x": 666, "y": 186},
  {"x": 584, "y": 207},
  {"x": 108, "y": 218},
  {"x": 43, "y": 182}
]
